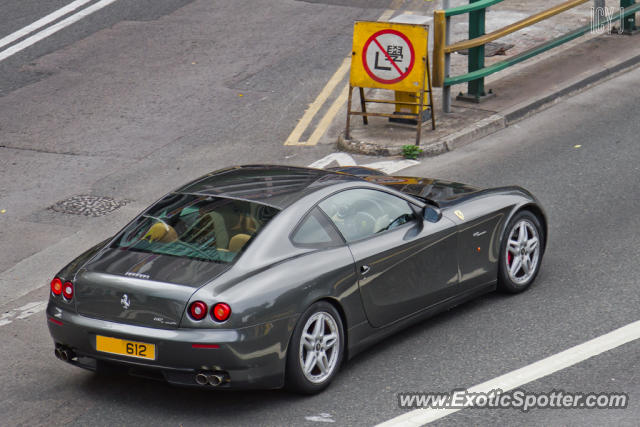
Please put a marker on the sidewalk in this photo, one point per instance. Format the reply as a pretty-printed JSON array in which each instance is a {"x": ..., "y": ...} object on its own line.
[{"x": 529, "y": 87}]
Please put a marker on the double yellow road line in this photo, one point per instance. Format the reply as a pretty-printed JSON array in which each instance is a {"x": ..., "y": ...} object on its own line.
[{"x": 317, "y": 104}]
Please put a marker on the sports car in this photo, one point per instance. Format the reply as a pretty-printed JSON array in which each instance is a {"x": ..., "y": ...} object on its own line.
[{"x": 268, "y": 276}]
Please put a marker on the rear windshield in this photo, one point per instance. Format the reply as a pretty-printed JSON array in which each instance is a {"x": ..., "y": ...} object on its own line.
[{"x": 200, "y": 227}]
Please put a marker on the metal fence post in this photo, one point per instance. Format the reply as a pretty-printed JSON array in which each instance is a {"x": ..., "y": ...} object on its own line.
[
  {"x": 629, "y": 25},
  {"x": 476, "y": 54},
  {"x": 446, "y": 90}
]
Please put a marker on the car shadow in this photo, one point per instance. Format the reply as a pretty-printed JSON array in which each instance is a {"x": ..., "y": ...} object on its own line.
[
  {"x": 140, "y": 395},
  {"x": 148, "y": 395}
]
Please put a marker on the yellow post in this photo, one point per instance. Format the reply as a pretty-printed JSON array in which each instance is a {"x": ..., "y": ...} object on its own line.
[
  {"x": 439, "y": 44},
  {"x": 407, "y": 97}
]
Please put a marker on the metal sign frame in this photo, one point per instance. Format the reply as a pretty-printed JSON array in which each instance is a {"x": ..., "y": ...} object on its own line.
[{"x": 416, "y": 75}]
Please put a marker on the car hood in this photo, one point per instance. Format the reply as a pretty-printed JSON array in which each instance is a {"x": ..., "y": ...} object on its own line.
[{"x": 439, "y": 191}]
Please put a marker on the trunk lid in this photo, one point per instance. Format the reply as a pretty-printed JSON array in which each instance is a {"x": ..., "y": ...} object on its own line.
[{"x": 140, "y": 288}]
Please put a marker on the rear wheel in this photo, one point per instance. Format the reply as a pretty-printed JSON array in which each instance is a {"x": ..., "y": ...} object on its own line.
[
  {"x": 316, "y": 349},
  {"x": 521, "y": 252}
]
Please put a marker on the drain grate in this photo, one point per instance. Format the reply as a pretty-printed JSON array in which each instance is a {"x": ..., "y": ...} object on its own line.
[{"x": 88, "y": 205}]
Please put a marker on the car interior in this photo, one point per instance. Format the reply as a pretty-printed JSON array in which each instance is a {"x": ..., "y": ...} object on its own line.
[{"x": 198, "y": 226}]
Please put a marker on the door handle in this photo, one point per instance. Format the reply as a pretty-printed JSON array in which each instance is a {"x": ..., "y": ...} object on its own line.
[{"x": 364, "y": 269}]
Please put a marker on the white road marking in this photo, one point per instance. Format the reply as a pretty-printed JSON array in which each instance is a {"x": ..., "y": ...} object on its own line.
[
  {"x": 30, "y": 306},
  {"x": 321, "y": 418},
  {"x": 54, "y": 29},
  {"x": 42, "y": 22},
  {"x": 392, "y": 166},
  {"x": 316, "y": 105},
  {"x": 529, "y": 373},
  {"x": 343, "y": 159},
  {"x": 34, "y": 308},
  {"x": 23, "y": 312}
]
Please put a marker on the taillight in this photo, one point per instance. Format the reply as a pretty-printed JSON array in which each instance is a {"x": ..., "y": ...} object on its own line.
[
  {"x": 56, "y": 286},
  {"x": 221, "y": 312},
  {"x": 198, "y": 310},
  {"x": 67, "y": 290}
]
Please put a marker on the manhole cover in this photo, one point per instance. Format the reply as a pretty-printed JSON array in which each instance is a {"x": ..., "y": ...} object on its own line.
[{"x": 87, "y": 205}]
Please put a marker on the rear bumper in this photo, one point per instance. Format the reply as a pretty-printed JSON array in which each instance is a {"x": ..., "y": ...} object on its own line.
[{"x": 253, "y": 357}]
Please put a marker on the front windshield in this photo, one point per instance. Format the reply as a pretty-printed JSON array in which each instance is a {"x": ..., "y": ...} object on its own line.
[{"x": 194, "y": 226}]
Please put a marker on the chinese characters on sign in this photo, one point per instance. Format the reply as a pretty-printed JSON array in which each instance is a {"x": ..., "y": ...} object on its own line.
[{"x": 394, "y": 54}]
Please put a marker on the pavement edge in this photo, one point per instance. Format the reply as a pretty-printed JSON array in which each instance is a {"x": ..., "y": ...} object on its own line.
[{"x": 496, "y": 122}]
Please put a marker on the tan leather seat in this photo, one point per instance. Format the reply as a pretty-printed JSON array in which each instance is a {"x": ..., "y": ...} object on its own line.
[
  {"x": 161, "y": 232},
  {"x": 201, "y": 227},
  {"x": 245, "y": 224},
  {"x": 238, "y": 241}
]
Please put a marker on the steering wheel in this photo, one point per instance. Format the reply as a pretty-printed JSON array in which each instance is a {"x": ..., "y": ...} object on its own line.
[
  {"x": 372, "y": 205},
  {"x": 363, "y": 224}
]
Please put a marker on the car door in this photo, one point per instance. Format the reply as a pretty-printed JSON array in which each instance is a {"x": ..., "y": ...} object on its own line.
[
  {"x": 404, "y": 262},
  {"x": 478, "y": 241}
]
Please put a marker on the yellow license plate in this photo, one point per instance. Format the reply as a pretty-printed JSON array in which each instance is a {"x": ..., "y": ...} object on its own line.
[{"x": 141, "y": 350}]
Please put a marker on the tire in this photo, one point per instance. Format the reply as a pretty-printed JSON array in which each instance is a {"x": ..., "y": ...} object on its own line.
[
  {"x": 315, "y": 347},
  {"x": 520, "y": 257}
]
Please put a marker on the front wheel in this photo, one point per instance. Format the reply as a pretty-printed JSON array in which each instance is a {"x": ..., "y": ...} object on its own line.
[
  {"x": 316, "y": 349},
  {"x": 521, "y": 252}
]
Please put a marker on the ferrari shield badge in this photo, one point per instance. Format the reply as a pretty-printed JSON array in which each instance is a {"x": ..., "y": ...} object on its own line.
[
  {"x": 125, "y": 302},
  {"x": 460, "y": 215}
]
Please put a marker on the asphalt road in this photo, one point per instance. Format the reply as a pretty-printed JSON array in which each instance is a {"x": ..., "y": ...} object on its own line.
[{"x": 142, "y": 96}]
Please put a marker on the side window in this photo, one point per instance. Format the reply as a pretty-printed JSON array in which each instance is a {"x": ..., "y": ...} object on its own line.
[
  {"x": 316, "y": 231},
  {"x": 362, "y": 213}
]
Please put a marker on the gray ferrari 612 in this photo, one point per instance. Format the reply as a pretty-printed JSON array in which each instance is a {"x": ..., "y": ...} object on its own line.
[{"x": 265, "y": 276}]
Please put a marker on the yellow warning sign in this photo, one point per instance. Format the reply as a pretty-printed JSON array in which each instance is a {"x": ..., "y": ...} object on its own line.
[{"x": 389, "y": 56}]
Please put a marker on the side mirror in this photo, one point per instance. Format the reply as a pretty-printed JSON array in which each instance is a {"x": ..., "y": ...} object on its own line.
[{"x": 431, "y": 213}]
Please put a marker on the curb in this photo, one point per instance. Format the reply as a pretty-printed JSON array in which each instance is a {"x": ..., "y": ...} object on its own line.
[
  {"x": 368, "y": 148},
  {"x": 522, "y": 111},
  {"x": 494, "y": 123},
  {"x": 477, "y": 130}
]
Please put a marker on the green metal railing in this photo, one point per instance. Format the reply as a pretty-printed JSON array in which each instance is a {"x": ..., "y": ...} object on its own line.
[{"x": 478, "y": 39}]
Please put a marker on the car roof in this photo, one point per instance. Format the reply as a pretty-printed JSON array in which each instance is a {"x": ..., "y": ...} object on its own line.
[{"x": 277, "y": 186}]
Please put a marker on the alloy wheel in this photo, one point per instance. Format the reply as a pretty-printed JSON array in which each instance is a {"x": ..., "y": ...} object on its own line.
[
  {"x": 523, "y": 252},
  {"x": 319, "y": 347}
]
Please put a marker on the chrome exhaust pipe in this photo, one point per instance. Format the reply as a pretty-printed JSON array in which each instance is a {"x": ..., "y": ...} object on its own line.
[
  {"x": 214, "y": 380},
  {"x": 201, "y": 379},
  {"x": 63, "y": 353}
]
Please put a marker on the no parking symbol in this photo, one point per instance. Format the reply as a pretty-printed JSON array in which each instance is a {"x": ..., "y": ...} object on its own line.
[{"x": 388, "y": 56}]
